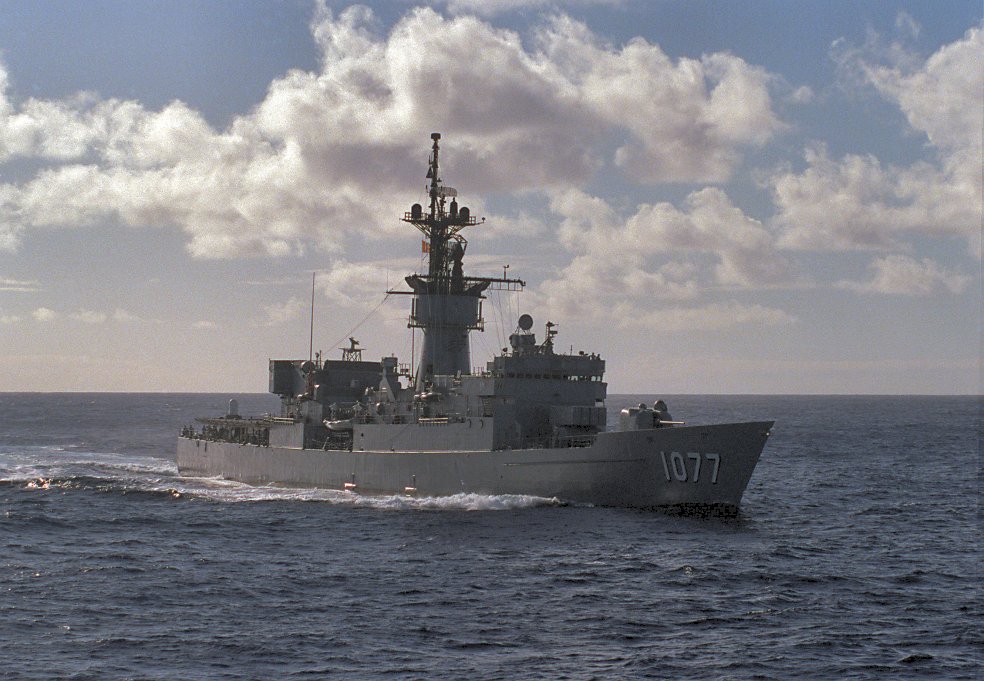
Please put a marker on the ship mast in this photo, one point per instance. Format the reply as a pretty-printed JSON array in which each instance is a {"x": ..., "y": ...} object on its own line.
[
  {"x": 446, "y": 304},
  {"x": 442, "y": 226}
]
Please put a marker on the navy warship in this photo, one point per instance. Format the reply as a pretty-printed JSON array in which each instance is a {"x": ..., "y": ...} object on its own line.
[{"x": 533, "y": 421}]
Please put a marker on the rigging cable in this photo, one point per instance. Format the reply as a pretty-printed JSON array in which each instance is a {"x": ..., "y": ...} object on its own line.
[
  {"x": 495, "y": 319},
  {"x": 355, "y": 328},
  {"x": 485, "y": 345},
  {"x": 502, "y": 319}
]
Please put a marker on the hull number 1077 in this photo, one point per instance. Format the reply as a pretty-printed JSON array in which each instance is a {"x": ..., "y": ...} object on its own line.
[{"x": 687, "y": 467}]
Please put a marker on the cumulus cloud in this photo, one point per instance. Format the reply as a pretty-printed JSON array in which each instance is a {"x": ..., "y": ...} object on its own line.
[
  {"x": 902, "y": 275},
  {"x": 523, "y": 224},
  {"x": 18, "y": 285},
  {"x": 89, "y": 316},
  {"x": 686, "y": 120},
  {"x": 942, "y": 97},
  {"x": 358, "y": 284},
  {"x": 857, "y": 202},
  {"x": 301, "y": 168},
  {"x": 121, "y": 315},
  {"x": 44, "y": 314},
  {"x": 616, "y": 254},
  {"x": 493, "y": 7},
  {"x": 906, "y": 24},
  {"x": 280, "y": 313},
  {"x": 711, "y": 223},
  {"x": 801, "y": 95},
  {"x": 624, "y": 267},
  {"x": 710, "y": 317}
]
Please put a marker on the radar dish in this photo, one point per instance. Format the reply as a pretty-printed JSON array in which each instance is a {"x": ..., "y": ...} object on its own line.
[{"x": 525, "y": 322}]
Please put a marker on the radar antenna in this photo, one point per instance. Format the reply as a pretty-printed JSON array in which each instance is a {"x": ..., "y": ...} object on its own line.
[
  {"x": 353, "y": 353},
  {"x": 442, "y": 224}
]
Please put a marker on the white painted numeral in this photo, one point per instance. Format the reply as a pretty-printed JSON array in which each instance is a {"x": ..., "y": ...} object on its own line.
[
  {"x": 716, "y": 458},
  {"x": 679, "y": 466},
  {"x": 696, "y": 458}
]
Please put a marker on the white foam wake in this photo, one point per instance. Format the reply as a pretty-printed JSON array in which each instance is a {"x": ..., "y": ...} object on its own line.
[
  {"x": 45, "y": 467},
  {"x": 23, "y": 464},
  {"x": 461, "y": 502},
  {"x": 236, "y": 492}
]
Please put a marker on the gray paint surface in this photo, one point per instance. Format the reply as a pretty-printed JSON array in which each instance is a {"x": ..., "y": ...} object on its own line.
[{"x": 704, "y": 465}]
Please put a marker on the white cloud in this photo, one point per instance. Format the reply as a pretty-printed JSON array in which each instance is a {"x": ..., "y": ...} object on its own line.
[
  {"x": 712, "y": 224},
  {"x": 18, "y": 285},
  {"x": 902, "y": 275},
  {"x": 205, "y": 324},
  {"x": 358, "y": 284},
  {"x": 121, "y": 315},
  {"x": 521, "y": 225},
  {"x": 43, "y": 314},
  {"x": 905, "y": 23},
  {"x": 89, "y": 316},
  {"x": 493, "y": 7},
  {"x": 9, "y": 319},
  {"x": 802, "y": 95},
  {"x": 686, "y": 120},
  {"x": 632, "y": 256},
  {"x": 301, "y": 168},
  {"x": 858, "y": 202},
  {"x": 279, "y": 313},
  {"x": 942, "y": 97},
  {"x": 624, "y": 267},
  {"x": 590, "y": 287},
  {"x": 710, "y": 317}
]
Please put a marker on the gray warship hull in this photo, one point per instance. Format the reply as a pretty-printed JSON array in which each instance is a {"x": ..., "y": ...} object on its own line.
[
  {"x": 532, "y": 421},
  {"x": 700, "y": 468}
]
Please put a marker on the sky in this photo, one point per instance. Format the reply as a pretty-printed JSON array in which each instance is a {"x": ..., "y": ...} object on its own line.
[{"x": 717, "y": 197}]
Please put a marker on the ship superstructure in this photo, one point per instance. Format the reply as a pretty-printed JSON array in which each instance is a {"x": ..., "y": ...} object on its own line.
[{"x": 532, "y": 421}]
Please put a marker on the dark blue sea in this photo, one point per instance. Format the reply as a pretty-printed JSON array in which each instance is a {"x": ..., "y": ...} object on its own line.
[{"x": 857, "y": 555}]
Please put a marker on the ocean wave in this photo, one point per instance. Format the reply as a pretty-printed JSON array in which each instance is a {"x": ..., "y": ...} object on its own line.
[{"x": 43, "y": 468}]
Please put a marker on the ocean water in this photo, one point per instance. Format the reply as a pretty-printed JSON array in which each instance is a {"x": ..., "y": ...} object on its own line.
[{"x": 857, "y": 555}]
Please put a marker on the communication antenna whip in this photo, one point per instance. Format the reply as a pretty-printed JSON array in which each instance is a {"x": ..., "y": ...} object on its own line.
[{"x": 311, "y": 336}]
